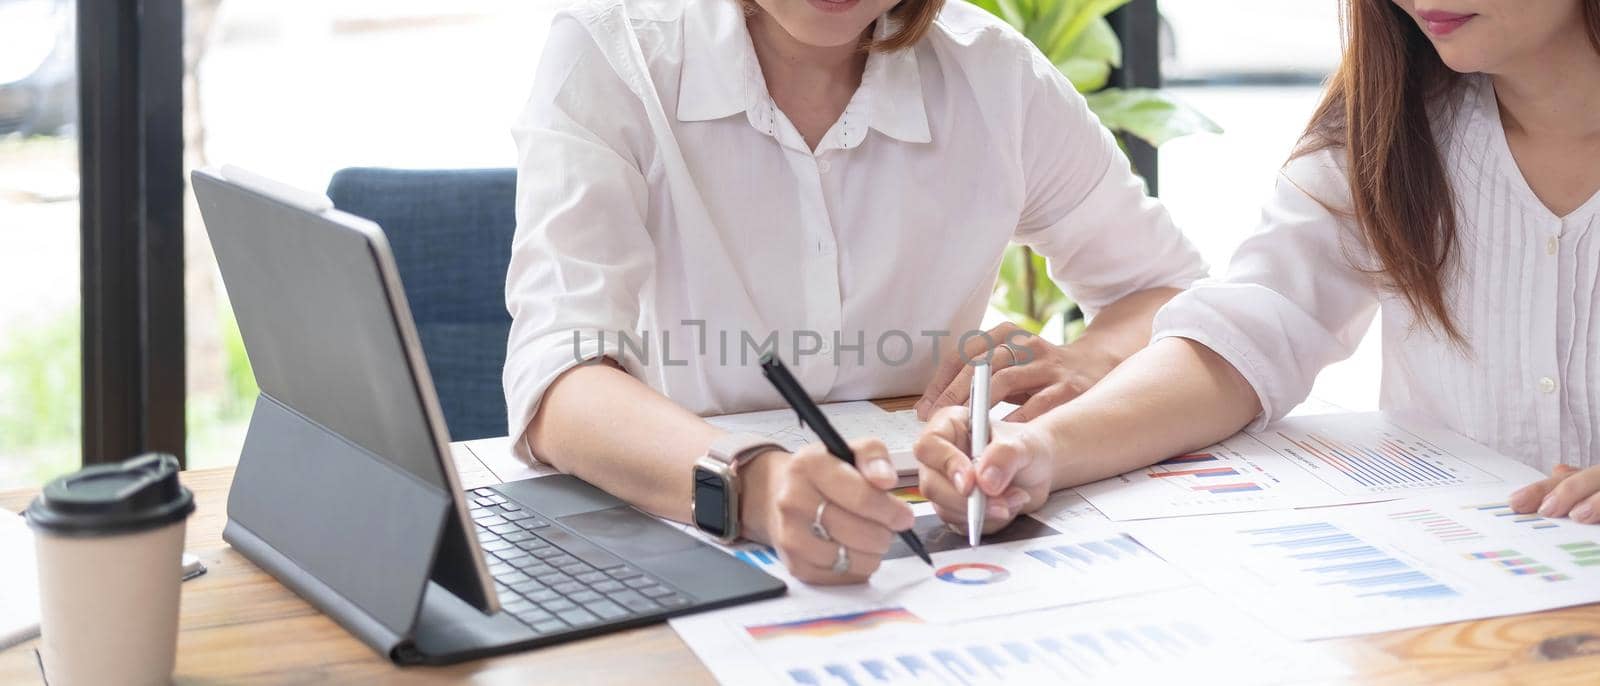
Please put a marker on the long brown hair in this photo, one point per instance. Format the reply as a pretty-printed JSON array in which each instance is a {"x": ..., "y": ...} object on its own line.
[{"x": 1376, "y": 111}]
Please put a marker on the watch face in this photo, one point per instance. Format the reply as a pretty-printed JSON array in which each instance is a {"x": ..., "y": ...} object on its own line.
[{"x": 710, "y": 502}]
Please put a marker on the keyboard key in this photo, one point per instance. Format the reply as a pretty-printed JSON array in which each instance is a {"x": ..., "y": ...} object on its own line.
[
  {"x": 496, "y": 545},
  {"x": 484, "y": 501},
  {"x": 553, "y": 578},
  {"x": 649, "y": 591},
  {"x": 590, "y": 577},
  {"x": 568, "y": 587},
  {"x": 640, "y": 582},
  {"x": 532, "y": 523},
  {"x": 511, "y": 554},
  {"x": 519, "y": 537},
  {"x": 584, "y": 596},
  {"x": 623, "y": 572},
  {"x": 580, "y": 548},
  {"x": 578, "y": 617},
  {"x": 545, "y": 552},
  {"x": 560, "y": 560},
  {"x": 497, "y": 499},
  {"x": 637, "y": 603},
  {"x": 511, "y": 515},
  {"x": 549, "y": 626},
  {"x": 504, "y": 528},
  {"x": 513, "y": 577},
  {"x": 673, "y": 600},
  {"x": 483, "y": 491},
  {"x": 531, "y": 585},
  {"x": 537, "y": 568},
  {"x": 491, "y": 521},
  {"x": 510, "y": 507},
  {"x": 543, "y": 595},
  {"x": 532, "y": 615},
  {"x": 486, "y": 536},
  {"x": 606, "y": 609},
  {"x": 575, "y": 569},
  {"x": 607, "y": 586},
  {"x": 518, "y": 605},
  {"x": 499, "y": 568},
  {"x": 558, "y": 605}
]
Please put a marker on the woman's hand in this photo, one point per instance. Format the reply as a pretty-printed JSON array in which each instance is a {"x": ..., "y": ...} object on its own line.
[
  {"x": 1569, "y": 492},
  {"x": 1015, "y": 469},
  {"x": 1027, "y": 370},
  {"x": 860, "y": 515}
]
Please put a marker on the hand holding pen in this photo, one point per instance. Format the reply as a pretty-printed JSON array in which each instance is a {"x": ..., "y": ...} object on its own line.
[
  {"x": 1014, "y": 472},
  {"x": 811, "y": 416}
]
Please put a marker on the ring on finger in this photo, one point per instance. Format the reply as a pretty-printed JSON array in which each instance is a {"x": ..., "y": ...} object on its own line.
[
  {"x": 841, "y": 561},
  {"x": 816, "y": 524},
  {"x": 1011, "y": 348}
]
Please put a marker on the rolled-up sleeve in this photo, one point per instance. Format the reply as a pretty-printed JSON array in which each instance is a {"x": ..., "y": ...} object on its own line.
[
  {"x": 581, "y": 256},
  {"x": 1298, "y": 296},
  {"x": 1086, "y": 211}
]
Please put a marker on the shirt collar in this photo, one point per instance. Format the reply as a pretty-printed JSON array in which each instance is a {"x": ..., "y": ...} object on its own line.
[{"x": 721, "y": 76}]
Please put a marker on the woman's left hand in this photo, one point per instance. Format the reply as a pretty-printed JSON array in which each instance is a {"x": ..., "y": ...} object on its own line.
[
  {"x": 1027, "y": 370},
  {"x": 1569, "y": 492}
]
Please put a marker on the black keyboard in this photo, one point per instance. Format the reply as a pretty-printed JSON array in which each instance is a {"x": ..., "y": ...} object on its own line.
[{"x": 554, "y": 581}]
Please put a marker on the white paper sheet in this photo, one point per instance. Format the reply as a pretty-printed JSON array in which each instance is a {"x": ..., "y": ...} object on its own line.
[
  {"x": 1384, "y": 566},
  {"x": 496, "y": 454},
  {"x": 860, "y": 419},
  {"x": 1309, "y": 461},
  {"x": 19, "y": 582},
  {"x": 1171, "y": 637}
]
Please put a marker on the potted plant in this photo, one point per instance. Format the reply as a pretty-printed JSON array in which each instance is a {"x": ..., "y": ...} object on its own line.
[{"x": 1075, "y": 36}]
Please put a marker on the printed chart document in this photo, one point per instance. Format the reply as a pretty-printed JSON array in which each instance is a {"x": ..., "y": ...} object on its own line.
[
  {"x": 1309, "y": 461},
  {"x": 1027, "y": 566},
  {"x": 1384, "y": 566},
  {"x": 1167, "y": 637}
]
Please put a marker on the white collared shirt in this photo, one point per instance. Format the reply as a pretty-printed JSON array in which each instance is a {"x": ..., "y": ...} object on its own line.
[
  {"x": 1298, "y": 296},
  {"x": 663, "y": 195}
]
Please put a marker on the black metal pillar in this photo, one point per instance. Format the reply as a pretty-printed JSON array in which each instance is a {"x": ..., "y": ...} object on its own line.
[
  {"x": 130, "y": 90},
  {"x": 1138, "y": 27}
]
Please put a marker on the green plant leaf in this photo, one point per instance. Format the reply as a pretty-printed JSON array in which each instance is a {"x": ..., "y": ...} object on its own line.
[
  {"x": 1087, "y": 76},
  {"x": 1014, "y": 12},
  {"x": 1149, "y": 114},
  {"x": 1088, "y": 61},
  {"x": 1085, "y": 14}
]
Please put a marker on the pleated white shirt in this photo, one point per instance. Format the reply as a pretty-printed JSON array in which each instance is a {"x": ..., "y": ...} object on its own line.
[
  {"x": 661, "y": 193},
  {"x": 1523, "y": 292}
]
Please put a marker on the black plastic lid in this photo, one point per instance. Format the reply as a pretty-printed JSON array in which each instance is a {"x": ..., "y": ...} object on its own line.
[{"x": 134, "y": 495}]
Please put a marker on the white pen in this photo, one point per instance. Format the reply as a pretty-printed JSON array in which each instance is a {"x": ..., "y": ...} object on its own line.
[{"x": 976, "y": 503}]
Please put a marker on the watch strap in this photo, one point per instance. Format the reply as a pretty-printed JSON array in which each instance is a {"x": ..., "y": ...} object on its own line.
[{"x": 735, "y": 450}]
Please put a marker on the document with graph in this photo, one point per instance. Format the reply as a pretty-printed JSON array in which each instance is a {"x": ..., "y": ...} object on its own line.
[
  {"x": 1383, "y": 566},
  {"x": 1162, "y": 637},
  {"x": 1309, "y": 461}
]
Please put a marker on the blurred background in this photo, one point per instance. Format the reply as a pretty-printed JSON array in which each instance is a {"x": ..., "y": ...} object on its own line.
[{"x": 298, "y": 89}]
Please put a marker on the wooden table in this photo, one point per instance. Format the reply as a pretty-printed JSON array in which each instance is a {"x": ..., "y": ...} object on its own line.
[{"x": 239, "y": 625}]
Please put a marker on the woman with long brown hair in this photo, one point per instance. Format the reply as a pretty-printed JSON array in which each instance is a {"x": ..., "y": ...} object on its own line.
[{"x": 1447, "y": 183}]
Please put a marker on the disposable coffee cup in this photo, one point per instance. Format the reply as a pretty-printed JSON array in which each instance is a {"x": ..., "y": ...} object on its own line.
[{"x": 110, "y": 543}]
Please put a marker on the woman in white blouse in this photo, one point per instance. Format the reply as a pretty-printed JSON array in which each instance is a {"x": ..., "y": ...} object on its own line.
[
  {"x": 705, "y": 180},
  {"x": 1447, "y": 183}
]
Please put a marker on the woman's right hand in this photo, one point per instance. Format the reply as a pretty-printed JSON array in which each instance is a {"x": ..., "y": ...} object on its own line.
[
  {"x": 860, "y": 515},
  {"x": 1016, "y": 472}
]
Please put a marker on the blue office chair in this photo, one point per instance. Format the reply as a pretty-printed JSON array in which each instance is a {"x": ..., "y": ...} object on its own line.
[{"x": 451, "y": 234}]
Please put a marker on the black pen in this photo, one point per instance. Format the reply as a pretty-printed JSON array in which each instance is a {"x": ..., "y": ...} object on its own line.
[{"x": 811, "y": 416}]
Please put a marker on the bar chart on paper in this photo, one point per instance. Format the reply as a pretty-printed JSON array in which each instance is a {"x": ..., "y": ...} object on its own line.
[{"x": 1309, "y": 461}]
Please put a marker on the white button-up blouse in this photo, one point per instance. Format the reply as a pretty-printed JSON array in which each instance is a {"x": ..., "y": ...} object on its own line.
[
  {"x": 663, "y": 196},
  {"x": 1523, "y": 293}
]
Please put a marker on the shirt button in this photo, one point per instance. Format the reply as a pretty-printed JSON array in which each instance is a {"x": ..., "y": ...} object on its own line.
[
  {"x": 1552, "y": 245},
  {"x": 823, "y": 166},
  {"x": 1547, "y": 385}
]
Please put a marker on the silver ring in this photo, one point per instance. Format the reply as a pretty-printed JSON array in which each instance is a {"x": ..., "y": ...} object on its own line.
[
  {"x": 1014, "y": 356},
  {"x": 841, "y": 562},
  {"x": 816, "y": 524}
]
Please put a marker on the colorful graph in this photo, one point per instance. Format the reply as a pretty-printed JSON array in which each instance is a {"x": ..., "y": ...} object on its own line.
[
  {"x": 1518, "y": 564},
  {"x": 1503, "y": 510},
  {"x": 973, "y": 573},
  {"x": 1326, "y": 555},
  {"x": 1385, "y": 463},
  {"x": 820, "y": 627},
  {"x": 1085, "y": 556},
  {"x": 1061, "y": 657},
  {"x": 1584, "y": 553},
  {"x": 1203, "y": 472},
  {"x": 1437, "y": 525},
  {"x": 757, "y": 556}
]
